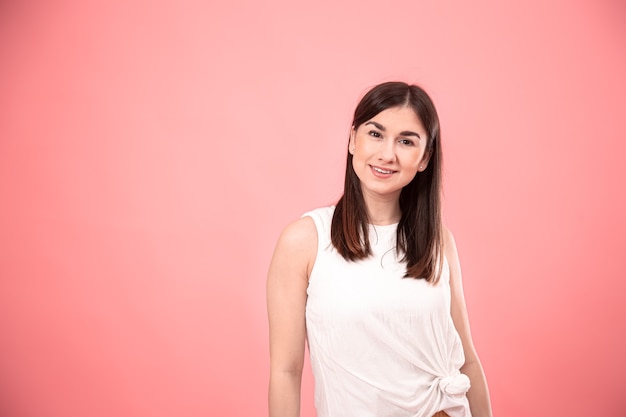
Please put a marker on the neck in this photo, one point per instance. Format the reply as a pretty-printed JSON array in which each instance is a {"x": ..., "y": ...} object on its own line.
[{"x": 383, "y": 211}]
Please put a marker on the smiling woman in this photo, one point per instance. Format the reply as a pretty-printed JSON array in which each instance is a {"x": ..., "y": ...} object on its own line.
[
  {"x": 387, "y": 159},
  {"x": 373, "y": 283}
]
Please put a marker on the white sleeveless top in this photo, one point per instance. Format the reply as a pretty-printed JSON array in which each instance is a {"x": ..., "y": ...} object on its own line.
[{"x": 380, "y": 345}]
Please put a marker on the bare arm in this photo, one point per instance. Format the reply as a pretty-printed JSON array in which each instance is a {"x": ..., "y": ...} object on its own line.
[
  {"x": 287, "y": 282},
  {"x": 478, "y": 395}
]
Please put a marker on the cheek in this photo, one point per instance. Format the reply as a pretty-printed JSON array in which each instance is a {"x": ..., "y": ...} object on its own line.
[
  {"x": 362, "y": 149},
  {"x": 414, "y": 159}
]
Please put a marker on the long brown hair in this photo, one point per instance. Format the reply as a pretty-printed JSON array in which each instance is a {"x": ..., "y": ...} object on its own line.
[{"x": 419, "y": 235}]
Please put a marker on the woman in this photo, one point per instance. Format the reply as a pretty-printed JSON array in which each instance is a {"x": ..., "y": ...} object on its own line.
[{"x": 374, "y": 284}]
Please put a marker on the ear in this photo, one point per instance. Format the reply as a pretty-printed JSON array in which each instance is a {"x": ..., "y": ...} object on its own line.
[
  {"x": 351, "y": 143},
  {"x": 424, "y": 162}
]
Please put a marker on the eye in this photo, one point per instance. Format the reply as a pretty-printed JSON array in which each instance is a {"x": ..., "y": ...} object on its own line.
[
  {"x": 374, "y": 133},
  {"x": 407, "y": 142}
]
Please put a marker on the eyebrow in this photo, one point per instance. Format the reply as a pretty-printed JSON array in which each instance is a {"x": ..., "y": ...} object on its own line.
[{"x": 381, "y": 127}]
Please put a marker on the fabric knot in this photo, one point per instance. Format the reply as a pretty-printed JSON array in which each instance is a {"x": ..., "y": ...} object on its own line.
[{"x": 455, "y": 384}]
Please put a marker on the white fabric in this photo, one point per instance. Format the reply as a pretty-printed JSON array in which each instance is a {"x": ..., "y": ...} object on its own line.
[{"x": 380, "y": 345}]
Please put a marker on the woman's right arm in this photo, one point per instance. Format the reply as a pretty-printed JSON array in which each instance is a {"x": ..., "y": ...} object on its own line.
[{"x": 287, "y": 283}]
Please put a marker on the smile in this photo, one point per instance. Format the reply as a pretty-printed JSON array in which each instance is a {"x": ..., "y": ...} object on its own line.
[{"x": 382, "y": 171}]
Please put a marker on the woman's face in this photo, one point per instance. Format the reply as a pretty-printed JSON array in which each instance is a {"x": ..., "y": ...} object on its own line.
[{"x": 388, "y": 150}]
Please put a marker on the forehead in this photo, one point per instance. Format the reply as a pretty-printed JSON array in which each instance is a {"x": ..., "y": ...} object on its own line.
[{"x": 399, "y": 118}]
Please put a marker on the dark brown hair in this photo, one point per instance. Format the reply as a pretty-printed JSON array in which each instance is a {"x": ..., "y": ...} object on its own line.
[{"x": 419, "y": 235}]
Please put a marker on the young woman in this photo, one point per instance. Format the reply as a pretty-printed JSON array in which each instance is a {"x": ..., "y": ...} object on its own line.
[{"x": 373, "y": 284}]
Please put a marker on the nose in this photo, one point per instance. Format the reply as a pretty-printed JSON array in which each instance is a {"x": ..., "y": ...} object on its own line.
[{"x": 387, "y": 151}]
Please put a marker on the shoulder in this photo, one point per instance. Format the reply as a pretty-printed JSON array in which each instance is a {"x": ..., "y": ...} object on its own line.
[
  {"x": 299, "y": 241},
  {"x": 296, "y": 249},
  {"x": 451, "y": 254},
  {"x": 322, "y": 216},
  {"x": 299, "y": 233},
  {"x": 449, "y": 244}
]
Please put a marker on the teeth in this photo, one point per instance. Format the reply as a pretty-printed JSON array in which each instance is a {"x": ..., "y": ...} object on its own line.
[{"x": 382, "y": 171}]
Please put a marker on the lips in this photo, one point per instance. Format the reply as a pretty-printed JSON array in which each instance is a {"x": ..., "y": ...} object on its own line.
[{"x": 381, "y": 172}]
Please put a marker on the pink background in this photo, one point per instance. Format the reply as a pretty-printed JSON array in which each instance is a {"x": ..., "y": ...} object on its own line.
[{"x": 151, "y": 152}]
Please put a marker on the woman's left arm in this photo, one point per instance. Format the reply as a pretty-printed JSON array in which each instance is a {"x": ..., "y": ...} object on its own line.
[{"x": 478, "y": 394}]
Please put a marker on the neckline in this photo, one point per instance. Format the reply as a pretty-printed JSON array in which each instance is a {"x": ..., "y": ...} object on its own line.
[{"x": 383, "y": 227}]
